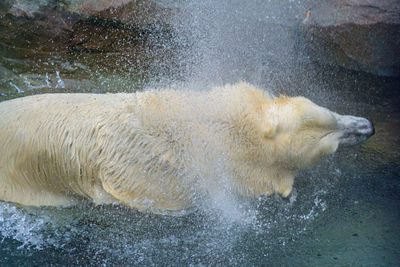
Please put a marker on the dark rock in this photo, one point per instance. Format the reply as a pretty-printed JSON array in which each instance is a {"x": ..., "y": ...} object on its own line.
[
  {"x": 46, "y": 30},
  {"x": 362, "y": 35},
  {"x": 114, "y": 34},
  {"x": 140, "y": 12}
]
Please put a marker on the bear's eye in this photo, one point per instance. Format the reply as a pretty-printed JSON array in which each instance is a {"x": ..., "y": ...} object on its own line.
[
  {"x": 325, "y": 121},
  {"x": 308, "y": 122},
  {"x": 308, "y": 119}
]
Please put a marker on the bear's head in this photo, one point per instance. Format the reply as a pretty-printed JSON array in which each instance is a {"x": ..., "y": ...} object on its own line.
[{"x": 302, "y": 132}]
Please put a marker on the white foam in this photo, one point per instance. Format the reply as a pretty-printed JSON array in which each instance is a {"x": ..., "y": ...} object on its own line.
[{"x": 16, "y": 224}]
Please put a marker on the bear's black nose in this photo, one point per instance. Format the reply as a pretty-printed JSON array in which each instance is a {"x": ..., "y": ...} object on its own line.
[{"x": 372, "y": 128}]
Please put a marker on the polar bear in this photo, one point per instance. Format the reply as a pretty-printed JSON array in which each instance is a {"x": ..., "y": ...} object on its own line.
[{"x": 156, "y": 150}]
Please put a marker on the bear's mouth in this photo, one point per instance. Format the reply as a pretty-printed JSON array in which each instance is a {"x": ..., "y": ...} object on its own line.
[{"x": 355, "y": 130}]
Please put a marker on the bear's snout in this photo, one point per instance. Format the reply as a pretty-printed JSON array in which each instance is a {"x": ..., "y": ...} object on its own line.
[
  {"x": 372, "y": 128},
  {"x": 355, "y": 130}
]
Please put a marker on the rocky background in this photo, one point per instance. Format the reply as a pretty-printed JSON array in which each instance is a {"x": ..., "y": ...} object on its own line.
[
  {"x": 88, "y": 45},
  {"x": 84, "y": 45},
  {"x": 362, "y": 35}
]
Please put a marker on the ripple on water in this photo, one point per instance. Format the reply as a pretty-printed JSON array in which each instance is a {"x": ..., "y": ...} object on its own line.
[{"x": 116, "y": 234}]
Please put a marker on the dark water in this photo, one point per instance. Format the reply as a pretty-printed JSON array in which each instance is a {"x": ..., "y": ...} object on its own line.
[{"x": 344, "y": 212}]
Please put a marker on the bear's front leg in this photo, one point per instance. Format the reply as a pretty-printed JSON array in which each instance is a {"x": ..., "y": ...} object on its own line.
[{"x": 284, "y": 185}]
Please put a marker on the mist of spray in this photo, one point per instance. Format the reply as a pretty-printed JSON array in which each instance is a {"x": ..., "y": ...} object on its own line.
[
  {"x": 231, "y": 41},
  {"x": 239, "y": 40}
]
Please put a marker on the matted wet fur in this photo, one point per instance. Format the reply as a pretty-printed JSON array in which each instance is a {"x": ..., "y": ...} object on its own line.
[{"x": 155, "y": 150}]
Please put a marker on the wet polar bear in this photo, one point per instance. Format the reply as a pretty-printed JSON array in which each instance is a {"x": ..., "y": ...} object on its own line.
[{"x": 156, "y": 150}]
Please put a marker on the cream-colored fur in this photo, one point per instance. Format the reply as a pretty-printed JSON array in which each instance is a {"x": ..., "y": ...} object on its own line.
[{"x": 156, "y": 150}]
